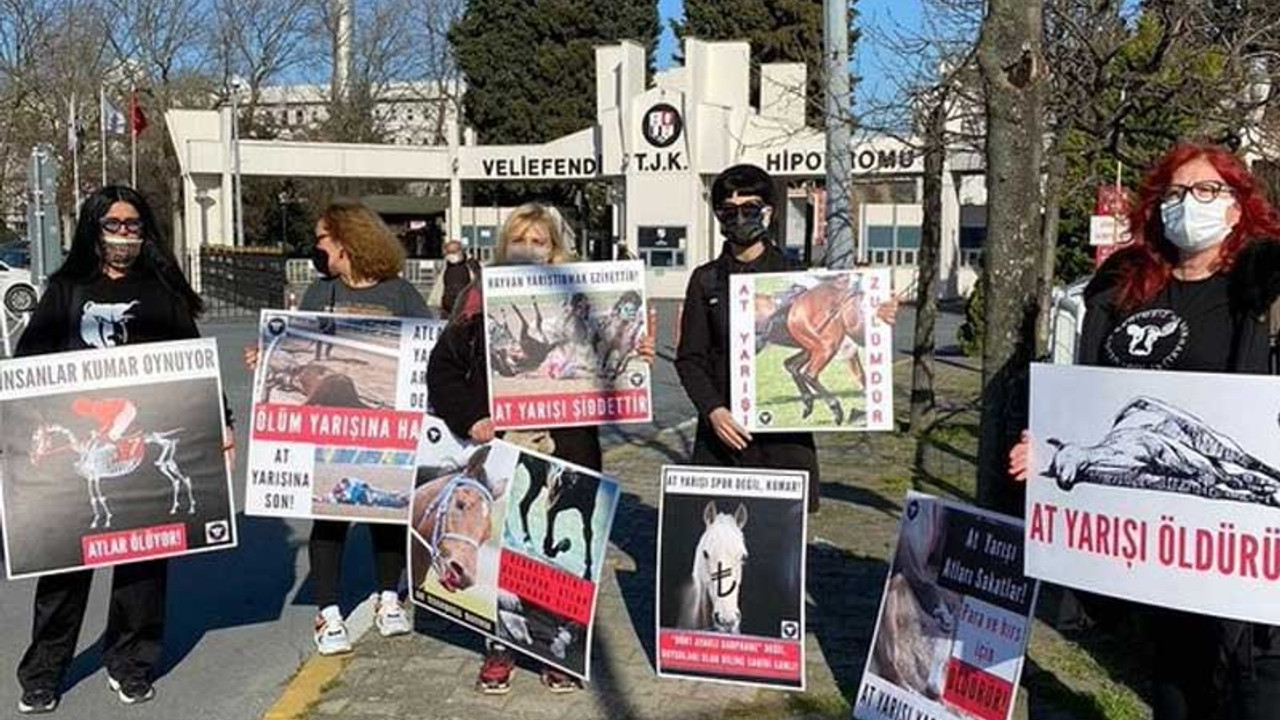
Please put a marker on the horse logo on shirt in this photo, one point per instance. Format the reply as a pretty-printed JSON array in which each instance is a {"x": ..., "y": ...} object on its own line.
[{"x": 105, "y": 325}]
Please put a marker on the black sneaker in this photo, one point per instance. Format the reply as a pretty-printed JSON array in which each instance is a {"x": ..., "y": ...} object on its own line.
[
  {"x": 37, "y": 702},
  {"x": 132, "y": 691}
]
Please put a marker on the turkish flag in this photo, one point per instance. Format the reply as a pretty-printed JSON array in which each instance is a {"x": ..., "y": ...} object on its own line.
[{"x": 137, "y": 118}]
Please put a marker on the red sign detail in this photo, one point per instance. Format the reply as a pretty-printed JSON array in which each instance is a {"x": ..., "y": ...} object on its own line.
[
  {"x": 129, "y": 545},
  {"x": 341, "y": 427},
  {"x": 550, "y": 588},
  {"x": 740, "y": 656},
  {"x": 978, "y": 693},
  {"x": 539, "y": 411}
]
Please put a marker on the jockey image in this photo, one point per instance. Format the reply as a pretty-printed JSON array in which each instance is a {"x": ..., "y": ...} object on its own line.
[
  {"x": 354, "y": 491},
  {"x": 113, "y": 415}
]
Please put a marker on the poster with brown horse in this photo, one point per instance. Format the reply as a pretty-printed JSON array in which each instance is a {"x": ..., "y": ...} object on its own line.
[
  {"x": 954, "y": 620},
  {"x": 511, "y": 545},
  {"x": 113, "y": 456},
  {"x": 339, "y": 413},
  {"x": 808, "y": 351}
]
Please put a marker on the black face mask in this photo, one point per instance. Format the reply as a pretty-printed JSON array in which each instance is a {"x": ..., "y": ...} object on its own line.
[
  {"x": 320, "y": 261},
  {"x": 744, "y": 231}
]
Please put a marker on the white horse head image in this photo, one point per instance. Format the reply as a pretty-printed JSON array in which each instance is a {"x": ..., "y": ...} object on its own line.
[{"x": 711, "y": 601}]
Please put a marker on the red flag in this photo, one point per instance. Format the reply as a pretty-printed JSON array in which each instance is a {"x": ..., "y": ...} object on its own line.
[{"x": 137, "y": 119}]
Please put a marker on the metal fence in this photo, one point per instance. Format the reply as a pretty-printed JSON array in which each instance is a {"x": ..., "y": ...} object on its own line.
[{"x": 238, "y": 282}]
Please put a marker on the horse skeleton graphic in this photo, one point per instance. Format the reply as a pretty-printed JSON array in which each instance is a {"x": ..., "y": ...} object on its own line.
[{"x": 99, "y": 458}]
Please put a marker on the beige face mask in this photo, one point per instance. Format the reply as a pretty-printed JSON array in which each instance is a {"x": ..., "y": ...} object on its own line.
[
  {"x": 528, "y": 255},
  {"x": 120, "y": 252}
]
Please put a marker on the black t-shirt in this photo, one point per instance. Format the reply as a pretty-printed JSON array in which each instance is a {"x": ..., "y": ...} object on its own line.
[
  {"x": 104, "y": 313},
  {"x": 1189, "y": 325}
]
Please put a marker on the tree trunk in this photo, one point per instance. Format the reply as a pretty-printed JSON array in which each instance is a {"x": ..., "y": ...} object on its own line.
[
  {"x": 1012, "y": 66},
  {"x": 922, "y": 396},
  {"x": 1055, "y": 177}
]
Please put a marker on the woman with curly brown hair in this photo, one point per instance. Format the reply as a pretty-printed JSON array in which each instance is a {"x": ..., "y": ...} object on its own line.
[{"x": 359, "y": 262}]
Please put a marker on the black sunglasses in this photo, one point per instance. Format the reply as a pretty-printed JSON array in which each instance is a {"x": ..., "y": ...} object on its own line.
[
  {"x": 112, "y": 225},
  {"x": 751, "y": 211}
]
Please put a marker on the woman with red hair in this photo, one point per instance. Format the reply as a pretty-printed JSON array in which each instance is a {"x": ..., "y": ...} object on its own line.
[{"x": 1192, "y": 293}]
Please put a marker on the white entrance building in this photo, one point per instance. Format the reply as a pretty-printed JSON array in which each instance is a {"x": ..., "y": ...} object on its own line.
[{"x": 662, "y": 146}]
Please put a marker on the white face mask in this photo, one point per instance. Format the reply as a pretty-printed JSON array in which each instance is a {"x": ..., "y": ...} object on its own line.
[
  {"x": 1192, "y": 225},
  {"x": 454, "y": 258},
  {"x": 528, "y": 254}
]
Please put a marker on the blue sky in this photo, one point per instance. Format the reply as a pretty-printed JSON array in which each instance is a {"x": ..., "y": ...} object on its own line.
[{"x": 872, "y": 57}]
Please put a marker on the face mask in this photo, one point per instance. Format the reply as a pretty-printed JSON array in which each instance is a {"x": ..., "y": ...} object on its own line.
[
  {"x": 528, "y": 255},
  {"x": 1192, "y": 225},
  {"x": 453, "y": 258},
  {"x": 742, "y": 227},
  {"x": 120, "y": 252},
  {"x": 320, "y": 261}
]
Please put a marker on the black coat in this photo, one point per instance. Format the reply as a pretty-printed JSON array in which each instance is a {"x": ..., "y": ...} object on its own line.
[
  {"x": 702, "y": 361},
  {"x": 458, "y": 388}
]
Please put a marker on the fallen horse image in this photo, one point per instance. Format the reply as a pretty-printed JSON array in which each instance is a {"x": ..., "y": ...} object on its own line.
[
  {"x": 1155, "y": 446},
  {"x": 354, "y": 491}
]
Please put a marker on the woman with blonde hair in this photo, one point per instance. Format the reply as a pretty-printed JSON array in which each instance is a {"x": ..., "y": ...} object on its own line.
[
  {"x": 458, "y": 386},
  {"x": 358, "y": 261}
]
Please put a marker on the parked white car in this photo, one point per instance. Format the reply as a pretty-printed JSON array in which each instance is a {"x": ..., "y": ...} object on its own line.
[{"x": 16, "y": 290}]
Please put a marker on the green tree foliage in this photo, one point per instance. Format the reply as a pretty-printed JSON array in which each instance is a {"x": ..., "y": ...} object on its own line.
[
  {"x": 530, "y": 66},
  {"x": 779, "y": 31}
]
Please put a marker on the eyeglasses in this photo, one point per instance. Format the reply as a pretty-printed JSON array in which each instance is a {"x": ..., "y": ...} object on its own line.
[
  {"x": 749, "y": 211},
  {"x": 1206, "y": 191},
  {"x": 113, "y": 225}
]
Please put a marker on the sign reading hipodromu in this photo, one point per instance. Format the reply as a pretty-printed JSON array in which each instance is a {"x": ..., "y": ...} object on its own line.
[
  {"x": 807, "y": 351},
  {"x": 731, "y": 573},
  {"x": 954, "y": 619},
  {"x": 135, "y": 431},
  {"x": 339, "y": 404},
  {"x": 564, "y": 344},
  {"x": 512, "y": 545},
  {"x": 1158, "y": 487}
]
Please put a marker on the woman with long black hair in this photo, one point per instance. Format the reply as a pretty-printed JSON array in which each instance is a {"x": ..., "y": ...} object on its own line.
[{"x": 120, "y": 285}]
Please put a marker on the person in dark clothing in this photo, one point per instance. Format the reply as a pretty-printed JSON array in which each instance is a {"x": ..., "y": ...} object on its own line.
[
  {"x": 359, "y": 262},
  {"x": 120, "y": 285},
  {"x": 458, "y": 385},
  {"x": 459, "y": 272},
  {"x": 743, "y": 198},
  {"x": 1192, "y": 293}
]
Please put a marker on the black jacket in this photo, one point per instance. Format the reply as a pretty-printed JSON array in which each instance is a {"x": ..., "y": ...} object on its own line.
[
  {"x": 458, "y": 389},
  {"x": 702, "y": 361}
]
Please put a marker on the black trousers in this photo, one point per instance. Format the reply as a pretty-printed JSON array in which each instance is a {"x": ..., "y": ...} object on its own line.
[
  {"x": 134, "y": 639},
  {"x": 329, "y": 541},
  {"x": 768, "y": 451}
]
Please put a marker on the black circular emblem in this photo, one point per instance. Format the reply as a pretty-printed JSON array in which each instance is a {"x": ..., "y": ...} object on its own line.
[
  {"x": 433, "y": 435},
  {"x": 637, "y": 379},
  {"x": 766, "y": 417},
  {"x": 275, "y": 326},
  {"x": 1154, "y": 338},
  {"x": 662, "y": 125}
]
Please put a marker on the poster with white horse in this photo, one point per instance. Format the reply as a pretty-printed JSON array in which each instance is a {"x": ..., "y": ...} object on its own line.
[
  {"x": 954, "y": 618},
  {"x": 512, "y": 545},
  {"x": 809, "y": 352},
  {"x": 564, "y": 344},
  {"x": 731, "y": 573},
  {"x": 339, "y": 405},
  {"x": 113, "y": 456},
  {"x": 1157, "y": 487}
]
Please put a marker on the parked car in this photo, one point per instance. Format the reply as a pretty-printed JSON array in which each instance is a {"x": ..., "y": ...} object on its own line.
[
  {"x": 16, "y": 289},
  {"x": 16, "y": 255}
]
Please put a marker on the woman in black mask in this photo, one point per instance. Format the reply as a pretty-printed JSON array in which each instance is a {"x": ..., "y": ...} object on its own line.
[
  {"x": 743, "y": 198},
  {"x": 120, "y": 285},
  {"x": 359, "y": 261}
]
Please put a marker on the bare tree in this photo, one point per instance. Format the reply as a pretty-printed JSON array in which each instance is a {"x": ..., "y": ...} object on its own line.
[
  {"x": 1011, "y": 60},
  {"x": 256, "y": 41}
]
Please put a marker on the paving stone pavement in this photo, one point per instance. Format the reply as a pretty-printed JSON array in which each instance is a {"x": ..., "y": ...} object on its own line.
[{"x": 431, "y": 673}]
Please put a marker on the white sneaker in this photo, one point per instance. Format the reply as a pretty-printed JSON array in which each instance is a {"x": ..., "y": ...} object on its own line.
[
  {"x": 389, "y": 615},
  {"x": 331, "y": 633},
  {"x": 131, "y": 692}
]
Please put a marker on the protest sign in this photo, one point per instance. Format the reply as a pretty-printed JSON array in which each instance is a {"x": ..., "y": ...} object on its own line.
[
  {"x": 807, "y": 351},
  {"x": 512, "y": 546},
  {"x": 731, "y": 570},
  {"x": 564, "y": 342},
  {"x": 339, "y": 406},
  {"x": 113, "y": 456},
  {"x": 954, "y": 619}
]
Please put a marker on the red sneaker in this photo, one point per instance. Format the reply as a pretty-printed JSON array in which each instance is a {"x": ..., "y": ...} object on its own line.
[
  {"x": 559, "y": 682},
  {"x": 495, "y": 674}
]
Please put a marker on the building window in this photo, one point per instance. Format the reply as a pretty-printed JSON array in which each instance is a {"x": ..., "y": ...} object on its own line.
[
  {"x": 893, "y": 244},
  {"x": 300, "y": 116},
  {"x": 662, "y": 246},
  {"x": 971, "y": 241}
]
